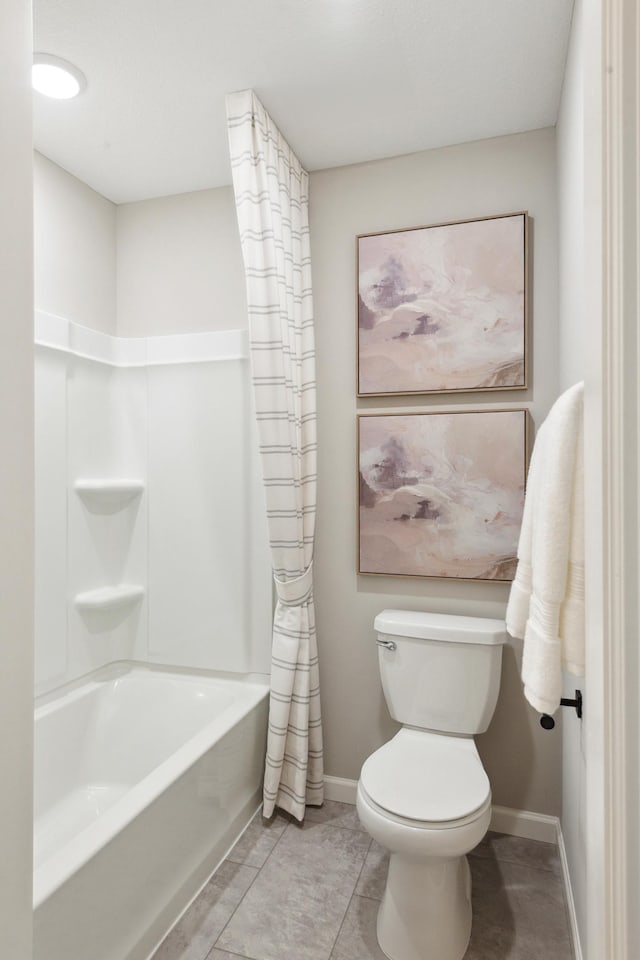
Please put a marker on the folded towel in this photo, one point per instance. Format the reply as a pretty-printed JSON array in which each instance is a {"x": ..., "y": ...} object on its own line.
[{"x": 546, "y": 604}]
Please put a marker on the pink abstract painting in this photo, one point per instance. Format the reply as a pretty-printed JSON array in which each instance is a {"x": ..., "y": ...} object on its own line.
[
  {"x": 443, "y": 308},
  {"x": 441, "y": 494}
]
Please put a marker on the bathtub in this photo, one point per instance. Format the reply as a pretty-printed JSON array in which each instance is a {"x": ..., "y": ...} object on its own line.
[{"x": 144, "y": 778}]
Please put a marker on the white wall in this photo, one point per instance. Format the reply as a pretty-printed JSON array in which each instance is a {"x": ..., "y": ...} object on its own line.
[
  {"x": 50, "y": 393},
  {"x": 180, "y": 271},
  {"x": 16, "y": 479},
  {"x": 75, "y": 248},
  {"x": 106, "y": 543},
  {"x": 571, "y": 202},
  {"x": 477, "y": 179},
  {"x": 173, "y": 266},
  {"x": 194, "y": 539},
  {"x": 570, "y": 186},
  {"x": 91, "y": 423},
  {"x": 80, "y": 430},
  {"x": 180, "y": 265},
  {"x": 209, "y": 581}
]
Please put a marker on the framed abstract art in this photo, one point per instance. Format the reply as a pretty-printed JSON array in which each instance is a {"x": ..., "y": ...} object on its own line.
[
  {"x": 443, "y": 309},
  {"x": 441, "y": 494}
]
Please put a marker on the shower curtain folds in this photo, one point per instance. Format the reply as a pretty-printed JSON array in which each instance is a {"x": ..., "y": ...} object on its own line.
[{"x": 272, "y": 197}]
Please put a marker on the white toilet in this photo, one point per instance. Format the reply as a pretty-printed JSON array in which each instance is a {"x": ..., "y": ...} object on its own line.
[{"x": 424, "y": 795}]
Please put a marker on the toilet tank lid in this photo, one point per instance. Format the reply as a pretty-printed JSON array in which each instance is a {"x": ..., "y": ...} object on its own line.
[{"x": 440, "y": 626}]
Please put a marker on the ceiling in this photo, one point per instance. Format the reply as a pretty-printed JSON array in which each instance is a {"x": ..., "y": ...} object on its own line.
[{"x": 346, "y": 80}]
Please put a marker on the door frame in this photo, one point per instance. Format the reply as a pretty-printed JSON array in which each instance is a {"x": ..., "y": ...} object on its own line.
[{"x": 612, "y": 475}]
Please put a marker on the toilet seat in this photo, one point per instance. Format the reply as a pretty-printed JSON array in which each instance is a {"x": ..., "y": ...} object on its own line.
[
  {"x": 423, "y": 826},
  {"x": 426, "y": 779}
]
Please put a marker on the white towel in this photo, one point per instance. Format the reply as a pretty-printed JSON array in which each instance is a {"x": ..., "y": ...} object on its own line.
[{"x": 546, "y": 604}]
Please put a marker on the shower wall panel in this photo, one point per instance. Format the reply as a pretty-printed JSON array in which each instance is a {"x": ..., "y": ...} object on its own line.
[
  {"x": 209, "y": 589},
  {"x": 50, "y": 387},
  {"x": 193, "y": 537},
  {"x": 90, "y": 425},
  {"x": 107, "y": 541}
]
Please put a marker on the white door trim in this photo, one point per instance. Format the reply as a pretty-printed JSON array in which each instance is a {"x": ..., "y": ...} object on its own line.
[{"x": 612, "y": 417}]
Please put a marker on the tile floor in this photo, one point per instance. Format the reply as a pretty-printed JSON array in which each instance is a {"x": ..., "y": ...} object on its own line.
[{"x": 311, "y": 892}]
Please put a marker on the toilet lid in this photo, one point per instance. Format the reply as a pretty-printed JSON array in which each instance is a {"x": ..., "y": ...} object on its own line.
[{"x": 426, "y": 776}]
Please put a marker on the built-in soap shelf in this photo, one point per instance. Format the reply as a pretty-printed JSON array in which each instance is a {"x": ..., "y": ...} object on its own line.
[
  {"x": 109, "y": 598},
  {"x": 108, "y": 491}
]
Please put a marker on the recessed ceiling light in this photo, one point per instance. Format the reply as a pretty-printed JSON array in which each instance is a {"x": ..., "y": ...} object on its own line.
[{"x": 56, "y": 78}]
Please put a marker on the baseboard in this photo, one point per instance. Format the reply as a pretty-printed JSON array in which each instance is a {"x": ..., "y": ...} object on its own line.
[
  {"x": 337, "y": 788},
  {"x": 571, "y": 906},
  {"x": 524, "y": 823},
  {"x": 517, "y": 823}
]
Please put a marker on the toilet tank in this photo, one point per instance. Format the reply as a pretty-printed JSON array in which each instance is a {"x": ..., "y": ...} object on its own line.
[{"x": 440, "y": 672}]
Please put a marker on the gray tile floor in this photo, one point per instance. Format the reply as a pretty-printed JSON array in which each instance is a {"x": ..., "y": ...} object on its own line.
[{"x": 312, "y": 892}]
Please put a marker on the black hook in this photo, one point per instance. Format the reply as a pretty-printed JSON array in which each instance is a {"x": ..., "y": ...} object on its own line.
[{"x": 549, "y": 723}]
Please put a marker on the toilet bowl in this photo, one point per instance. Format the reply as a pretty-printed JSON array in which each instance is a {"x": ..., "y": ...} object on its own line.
[
  {"x": 425, "y": 795},
  {"x": 426, "y": 799}
]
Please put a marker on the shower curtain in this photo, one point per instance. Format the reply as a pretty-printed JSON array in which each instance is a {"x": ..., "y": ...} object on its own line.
[{"x": 272, "y": 195}]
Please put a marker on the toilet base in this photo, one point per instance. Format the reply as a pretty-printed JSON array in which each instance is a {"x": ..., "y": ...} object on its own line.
[{"x": 426, "y": 909}]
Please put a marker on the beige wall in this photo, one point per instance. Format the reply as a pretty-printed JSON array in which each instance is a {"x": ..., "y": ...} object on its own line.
[
  {"x": 75, "y": 248},
  {"x": 16, "y": 480},
  {"x": 180, "y": 265},
  {"x": 486, "y": 177}
]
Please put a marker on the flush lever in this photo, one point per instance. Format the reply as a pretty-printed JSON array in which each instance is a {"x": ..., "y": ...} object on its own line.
[{"x": 387, "y": 644}]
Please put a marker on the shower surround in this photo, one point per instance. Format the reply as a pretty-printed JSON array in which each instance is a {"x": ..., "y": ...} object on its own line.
[
  {"x": 153, "y": 603},
  {"x": 147, "y": 476}
]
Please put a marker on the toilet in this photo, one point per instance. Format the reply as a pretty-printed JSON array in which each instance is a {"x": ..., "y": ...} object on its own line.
[{"x": 425, "y": 795}]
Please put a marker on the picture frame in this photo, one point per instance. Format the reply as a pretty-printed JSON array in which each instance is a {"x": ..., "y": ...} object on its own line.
[
  {"x": 441, "y": 493},
  {"x": 443, "y": 308}
]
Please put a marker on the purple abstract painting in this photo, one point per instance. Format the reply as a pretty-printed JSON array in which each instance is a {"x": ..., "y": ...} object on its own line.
[
  {"x": 441, "y": 494},
  {"x": 443, "y": 308}
]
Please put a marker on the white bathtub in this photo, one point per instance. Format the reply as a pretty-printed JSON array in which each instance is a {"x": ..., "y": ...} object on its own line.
[{"x": 144, "y": 777}]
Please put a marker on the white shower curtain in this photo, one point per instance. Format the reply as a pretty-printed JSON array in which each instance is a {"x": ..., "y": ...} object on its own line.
[{"x": 272, "y": 196}]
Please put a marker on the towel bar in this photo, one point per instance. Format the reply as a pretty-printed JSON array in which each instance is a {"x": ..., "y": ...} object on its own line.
[{"x": 549, "y": 723}]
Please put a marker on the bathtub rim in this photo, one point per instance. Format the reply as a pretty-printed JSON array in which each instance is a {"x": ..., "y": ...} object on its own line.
[
  {"x": 120, "y": 668},
  {"x": 53, "y": 872}
]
